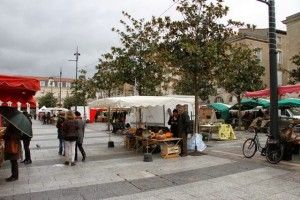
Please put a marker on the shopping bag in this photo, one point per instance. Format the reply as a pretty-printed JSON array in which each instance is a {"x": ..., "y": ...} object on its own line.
[{"x": 196, "y": 143}]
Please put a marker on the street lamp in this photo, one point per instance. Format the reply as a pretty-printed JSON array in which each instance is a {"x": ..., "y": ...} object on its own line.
[
  {"x": 60, "y": 84},
  {"x": 273, "y": 69},
  {"x": 76, "y": 54}
]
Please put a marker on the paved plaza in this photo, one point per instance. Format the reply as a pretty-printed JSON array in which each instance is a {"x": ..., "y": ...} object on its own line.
[{"x": 117, "y": 173}]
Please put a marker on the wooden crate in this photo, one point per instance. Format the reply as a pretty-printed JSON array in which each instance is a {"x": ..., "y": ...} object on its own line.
[{"x": 170, "y": 151}]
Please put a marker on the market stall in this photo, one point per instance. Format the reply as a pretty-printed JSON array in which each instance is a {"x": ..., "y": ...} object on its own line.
[
  {"x": 149, "y": 117},
  {"x": 146, "y": 110},
  {"x": 16, "y": 93}
]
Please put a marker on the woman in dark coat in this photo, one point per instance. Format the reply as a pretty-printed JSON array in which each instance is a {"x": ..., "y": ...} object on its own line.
[
  {"x": 70, "y": 135},
  {"x": 173, "y": 121},
  {"x": 60, "y": 121},
  {"x": 26, "y": 143},
  {"x": 79, "y": 141},
  {"x": 183, "y": 125},
  {"x": 12, "y": 150}
]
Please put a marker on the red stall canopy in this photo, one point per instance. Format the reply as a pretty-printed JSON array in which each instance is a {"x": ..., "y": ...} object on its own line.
[
  {"x": 16, "y": 89},
  {"x": 282, "y": 90}
]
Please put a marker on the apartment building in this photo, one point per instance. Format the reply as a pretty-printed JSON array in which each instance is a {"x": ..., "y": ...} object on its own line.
[
  {"x": 288, "y": 45},
  {"x": 258, "y": 39},
  {"x": 55, "y": 85}
]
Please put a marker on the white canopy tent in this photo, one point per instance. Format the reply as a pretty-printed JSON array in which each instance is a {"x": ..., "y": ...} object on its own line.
[
  {"x": 42, "y": 109},
  {"x": 54, "y": 109},
  {"x": 154, "y": 108}
]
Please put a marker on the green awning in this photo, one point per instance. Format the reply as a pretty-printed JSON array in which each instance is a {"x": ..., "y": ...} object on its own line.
[
  {"x": 222, "y": 108},
  {"x": 289, "y": 102},
  {"x": 248, "y": 104}
]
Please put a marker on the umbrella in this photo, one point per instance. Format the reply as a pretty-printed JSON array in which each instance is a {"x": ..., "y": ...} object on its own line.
[
  {"x": 248, "y": 104},
  {"x": 18, "y": 119},
  {"x": 222, "y": 108},
  {"x": 289, "y": 102}
]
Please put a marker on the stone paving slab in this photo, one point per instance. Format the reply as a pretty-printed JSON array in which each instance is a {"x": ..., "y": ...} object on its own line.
[{"x": 121, "y": 174}]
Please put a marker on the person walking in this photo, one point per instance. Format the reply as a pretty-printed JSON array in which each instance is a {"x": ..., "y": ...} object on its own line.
[
  {"x": 70, "y": 135},
  {"x": 79, "y": 141},
  {"x": 183, "y": 125},
  {"x": 59, "y": 123},
  {"x": 173, "y": 121},
  {"x": 26, "y": 143},
  {"x": 12, "y": 150}
]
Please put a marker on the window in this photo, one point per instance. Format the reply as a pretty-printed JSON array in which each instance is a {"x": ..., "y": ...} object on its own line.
[
  {"x": 278, "y": 40},
  {"x": 49, "y": 83},
  {"x": 42, "y": 83},
  {"x": 219, "y": 100},
  {"x": 232, "y": 99},
  {"x": 279, "y": 77},
  {"x": 258, "y": 54},
  {"x": 279, "y": 57}
]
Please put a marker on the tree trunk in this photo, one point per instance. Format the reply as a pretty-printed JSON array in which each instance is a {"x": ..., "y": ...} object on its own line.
[
  {"x": 196, "y": 125},
  {"x": 196, "y": 104}
]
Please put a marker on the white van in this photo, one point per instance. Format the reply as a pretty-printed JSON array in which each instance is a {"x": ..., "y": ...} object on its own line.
[{"x": 292, "y": 113}]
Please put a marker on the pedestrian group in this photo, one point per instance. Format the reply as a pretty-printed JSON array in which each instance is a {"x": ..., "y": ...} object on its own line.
[{"x": 70, "y": 133}]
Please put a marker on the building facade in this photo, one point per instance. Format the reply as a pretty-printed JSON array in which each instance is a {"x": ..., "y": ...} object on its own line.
[
  {"x": 60, "y": 88},
  {"x": 293, "y": 40},
  {"x": 258, "y": 39},
  {"x": 288, "y": 45}
]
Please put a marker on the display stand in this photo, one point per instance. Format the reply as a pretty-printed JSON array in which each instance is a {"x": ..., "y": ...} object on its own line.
[{"x": 147, "y": 155}]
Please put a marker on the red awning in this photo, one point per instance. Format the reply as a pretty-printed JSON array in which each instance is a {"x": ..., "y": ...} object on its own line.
[
  {"x": 16, "y": 89},
  {"x": 282, "y": 90}
]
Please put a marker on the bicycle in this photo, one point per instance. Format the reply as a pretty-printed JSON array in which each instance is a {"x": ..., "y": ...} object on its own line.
[{"x": 273, "y": 149}]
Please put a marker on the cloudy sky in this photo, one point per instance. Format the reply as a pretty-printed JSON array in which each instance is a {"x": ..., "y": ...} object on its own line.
[{"x": 37, "y": 37}]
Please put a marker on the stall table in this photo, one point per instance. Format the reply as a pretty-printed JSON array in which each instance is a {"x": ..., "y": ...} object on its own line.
[
  {"x": 169, "y": 146},
  {"x": 209, "y": 129}
]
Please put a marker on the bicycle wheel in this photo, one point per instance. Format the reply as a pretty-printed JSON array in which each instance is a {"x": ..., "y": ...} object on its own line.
[
  {"x": 274, "y": 153},
  {"x": 249, "y": 148}
]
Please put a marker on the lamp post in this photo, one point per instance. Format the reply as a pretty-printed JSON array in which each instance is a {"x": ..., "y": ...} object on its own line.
[
  {"x": 273, "y": 69},
  {"x": 60, "y": 83},
  {"x": 76, "y": 54}
]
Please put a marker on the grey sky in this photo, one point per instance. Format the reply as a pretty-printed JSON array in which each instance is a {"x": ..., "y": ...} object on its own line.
[{"x": 37, "y": 37}]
